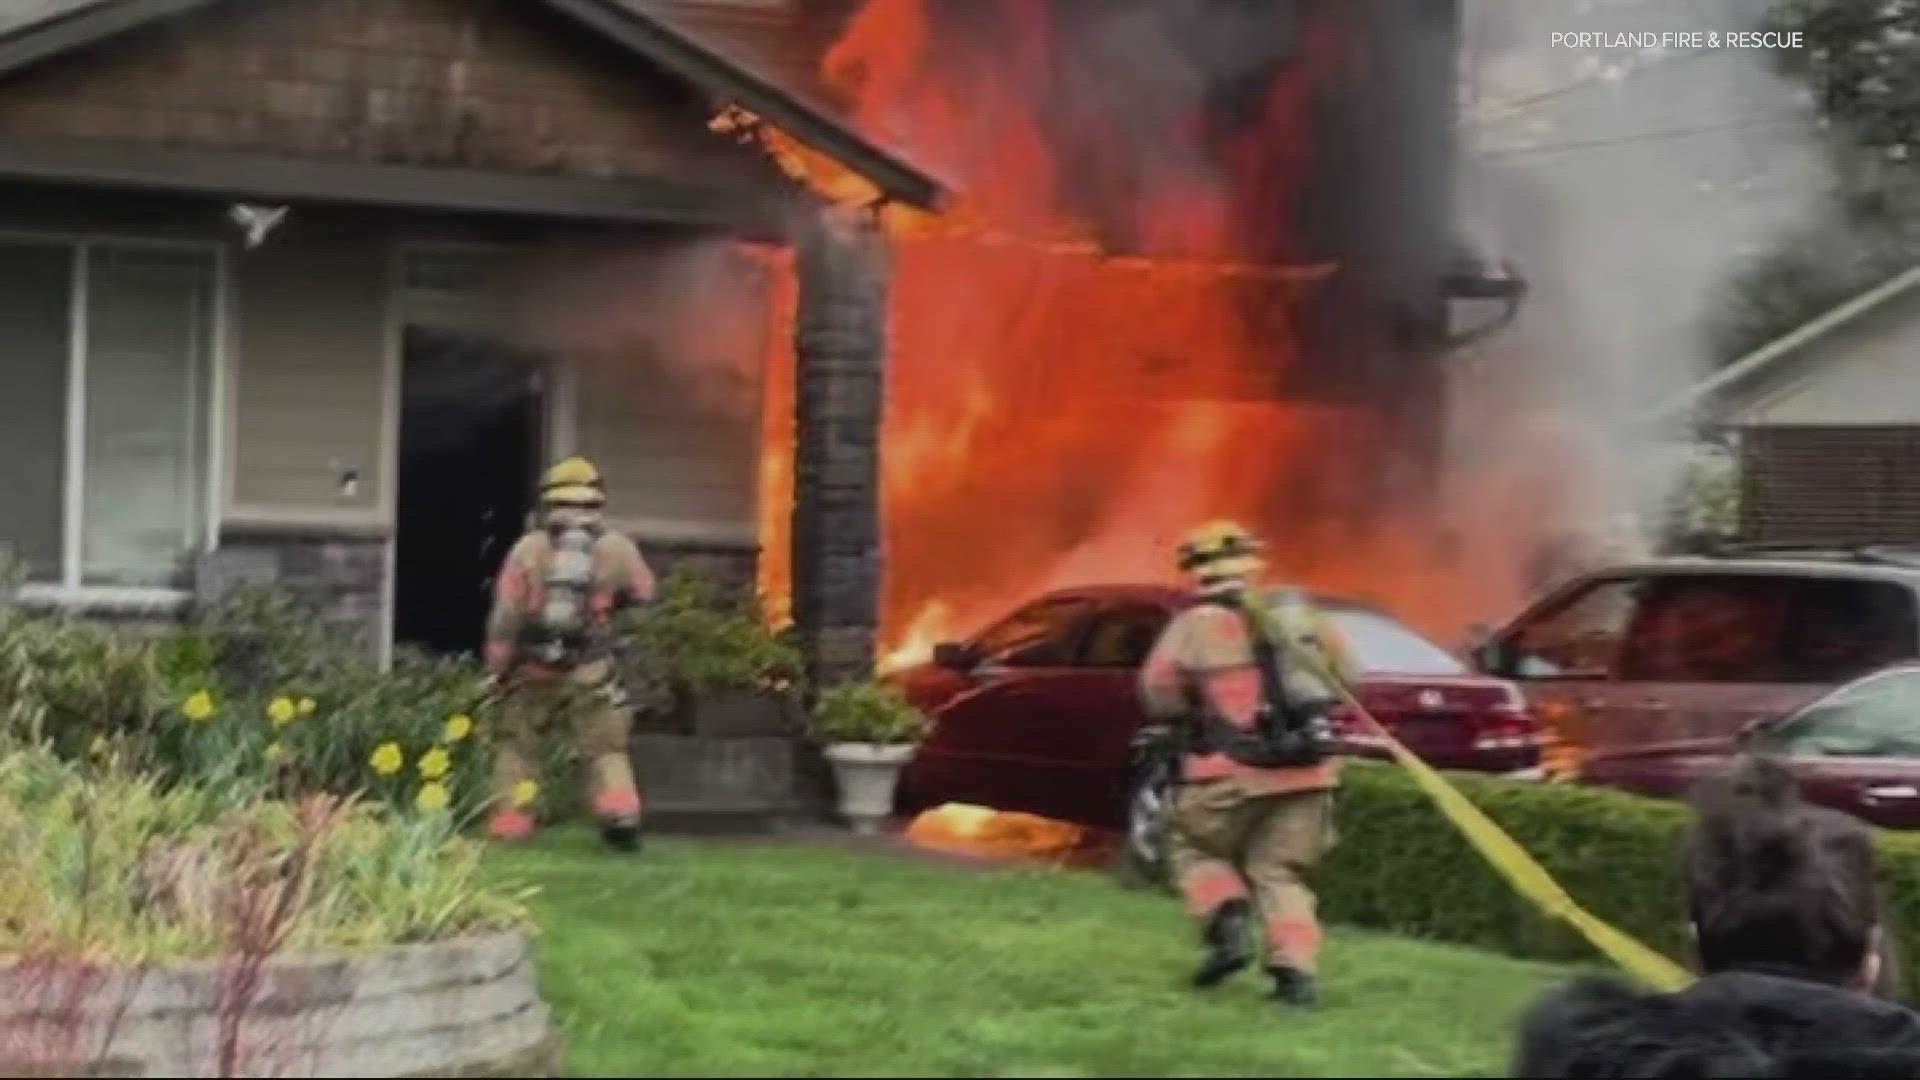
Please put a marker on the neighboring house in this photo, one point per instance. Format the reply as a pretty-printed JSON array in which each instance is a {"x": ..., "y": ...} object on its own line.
[
  {"x": 1827, "y": 423},
  {"x": 508, "y": 229}
]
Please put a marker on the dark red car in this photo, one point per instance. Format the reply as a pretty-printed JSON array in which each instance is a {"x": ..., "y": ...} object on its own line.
[
  {"x": 1038, "y": 713},
  {"x": 1856, "y": 749}
]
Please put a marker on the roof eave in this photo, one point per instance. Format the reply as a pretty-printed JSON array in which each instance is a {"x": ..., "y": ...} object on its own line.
[
  {"x": 664, "y": 45},
  {"x": 632, "y": 29},
  {"x": 1705, "y": 395},
  {"x": 80, "y": 28}
]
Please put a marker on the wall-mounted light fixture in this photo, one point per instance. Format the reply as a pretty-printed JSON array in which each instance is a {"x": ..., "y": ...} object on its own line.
[
  {"x": 1470, "y": 281},
  {"x": 256, "y": 222}
]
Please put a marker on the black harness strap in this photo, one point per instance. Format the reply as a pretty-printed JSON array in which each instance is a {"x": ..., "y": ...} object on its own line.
[
  {"x": 1284, "y": 735},
  {"x": 1266, "y": 657}
]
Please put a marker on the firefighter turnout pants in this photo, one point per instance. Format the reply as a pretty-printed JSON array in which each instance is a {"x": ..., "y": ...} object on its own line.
[
  {"x": 589, "y": 701},
  {"x": 1232, "y": 836}
]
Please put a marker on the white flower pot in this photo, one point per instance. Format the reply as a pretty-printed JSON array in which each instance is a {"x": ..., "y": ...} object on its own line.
[{"x": 866, "y": 775}]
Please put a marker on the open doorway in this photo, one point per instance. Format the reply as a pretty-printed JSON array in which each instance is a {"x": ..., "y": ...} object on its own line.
[{"x": 472, "y": 436}]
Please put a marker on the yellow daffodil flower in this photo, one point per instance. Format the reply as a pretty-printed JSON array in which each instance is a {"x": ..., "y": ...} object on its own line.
[
  {"x": 433, "y": 797},
  {"x": 434, "y": 763},
  {"x": 459, "y": 726},
  {"x": 307, "y": 705},
  {"x": 199, "y": 707},
  {"x": 388, "y": 759},
  {"x": 281, "y": 711},
  {"x": 525, "y": 792}
]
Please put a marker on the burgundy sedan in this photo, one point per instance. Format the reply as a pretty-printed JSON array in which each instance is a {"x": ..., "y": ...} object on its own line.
[
  {"x": 1856, "y": 749},
  {"x": 1038, "y": 712}
]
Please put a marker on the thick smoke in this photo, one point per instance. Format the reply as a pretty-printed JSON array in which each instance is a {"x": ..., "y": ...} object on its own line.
[
  {"x": 1125, "y": 114},
  {"x": 1627, "y": 185},
  {"x": 692, "y": 311}
]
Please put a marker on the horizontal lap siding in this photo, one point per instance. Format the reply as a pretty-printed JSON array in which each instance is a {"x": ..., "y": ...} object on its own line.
[
  {"x": 666, "y": 337},
  {"x": 667, "y": 458},
  {"x": 310, "y": 345}
]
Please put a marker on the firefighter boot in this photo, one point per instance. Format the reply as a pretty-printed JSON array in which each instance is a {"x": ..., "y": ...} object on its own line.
[
  {"x": 619, "y": 814},
  {"x": 510, "y": 824},
  {"x": 1294, "y": 988},
  {"x": 1228, "y": 949}
]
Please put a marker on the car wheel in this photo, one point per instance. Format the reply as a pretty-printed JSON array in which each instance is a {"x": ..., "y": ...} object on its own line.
[{"x": 1149, "y": 812}]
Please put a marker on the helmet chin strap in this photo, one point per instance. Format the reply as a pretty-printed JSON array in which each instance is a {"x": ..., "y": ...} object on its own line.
[
  {"x": 1214, "y": 583},
  {"x": 570, "y": 513}
]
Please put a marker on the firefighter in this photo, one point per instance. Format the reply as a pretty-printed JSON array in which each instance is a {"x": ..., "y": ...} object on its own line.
[
  {"x": 1241, "y": 671},
  {"x": 550, "y": 646}
]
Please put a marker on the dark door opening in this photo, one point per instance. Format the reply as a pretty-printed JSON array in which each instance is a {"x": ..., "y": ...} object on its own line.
[{"x": 471, "y": 434}]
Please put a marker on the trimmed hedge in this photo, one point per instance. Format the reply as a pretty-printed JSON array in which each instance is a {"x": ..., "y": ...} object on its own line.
[{"x": 1402, "y": 866}]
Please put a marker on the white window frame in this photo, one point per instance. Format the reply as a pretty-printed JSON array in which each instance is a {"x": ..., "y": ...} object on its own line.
[{"x": 71, "y": 590}]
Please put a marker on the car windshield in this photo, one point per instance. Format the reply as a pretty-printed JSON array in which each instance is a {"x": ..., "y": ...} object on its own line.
[
  {"x": 1383, "y": 646},
  {"x": 1879, "y": 717}
]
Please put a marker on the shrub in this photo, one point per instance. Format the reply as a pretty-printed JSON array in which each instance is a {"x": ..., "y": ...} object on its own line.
[
  {"x": 696, "y": 635},
  {"x": 867, "y": 712},
  {"x": 13, "y": 574},
  {"x": 1401, "y": 866},
  {"x": 254, "y": 691},
  {"x": 65, "y": 681}
]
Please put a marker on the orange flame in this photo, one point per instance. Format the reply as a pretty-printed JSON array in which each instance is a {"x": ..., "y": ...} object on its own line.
[
  {"x": 1058, "y": 413},
  {"x": 961, "y": 829},
  {"x": 820, "y": 173}
]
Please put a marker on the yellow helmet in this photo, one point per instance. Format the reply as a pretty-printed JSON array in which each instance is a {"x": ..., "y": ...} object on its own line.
[
  {"x": 573, "y": 482},
  {"x": 1221, "y": 550}
]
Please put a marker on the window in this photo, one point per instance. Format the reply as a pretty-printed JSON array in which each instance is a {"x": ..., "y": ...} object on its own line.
[
  {"x": 1878, "y": 718},
  {"x": 106, "y": 415},
  {"x": 1844, "y": 628},
  {"x": 1382, "y": 645},
  {"x": 1036, "y": 637},
  {"x": 1752, "y": 628},
  {"x": 1579, "y": 638},
  {"x": 1121, "y": 637}
]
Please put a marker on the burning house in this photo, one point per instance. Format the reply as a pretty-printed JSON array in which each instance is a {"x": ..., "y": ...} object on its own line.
[
  {"x": 1195, "y": 262},
  {"x": 908, "y": 307}
]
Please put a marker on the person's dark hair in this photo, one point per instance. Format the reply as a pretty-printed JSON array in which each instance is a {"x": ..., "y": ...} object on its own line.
[{"x": 1775, "y": 884}]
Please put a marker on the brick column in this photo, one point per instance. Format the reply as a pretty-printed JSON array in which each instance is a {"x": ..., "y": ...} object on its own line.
[{"x": 840, "y": 349}]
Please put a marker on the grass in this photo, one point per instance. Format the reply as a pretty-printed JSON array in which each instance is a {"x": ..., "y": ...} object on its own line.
[{"x": 803, "y": 960}]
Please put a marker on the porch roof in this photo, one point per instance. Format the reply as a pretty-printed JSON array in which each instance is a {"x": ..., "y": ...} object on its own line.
[{"x": 731, "y": 59}]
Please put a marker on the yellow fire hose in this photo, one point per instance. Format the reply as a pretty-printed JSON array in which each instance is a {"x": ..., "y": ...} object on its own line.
[{"x": 1511, "y": 860}]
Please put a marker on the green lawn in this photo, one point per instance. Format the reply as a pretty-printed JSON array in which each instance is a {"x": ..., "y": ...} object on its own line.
[{"x": 799, "y": 960}]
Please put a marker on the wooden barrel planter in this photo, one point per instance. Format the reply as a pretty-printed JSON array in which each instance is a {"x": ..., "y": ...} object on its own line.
[{"x": 466, "y": 1007}]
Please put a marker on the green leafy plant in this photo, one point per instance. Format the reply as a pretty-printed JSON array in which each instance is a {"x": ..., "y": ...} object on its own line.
[
  {"x": 867, "y": 712},
  {"x": 118, "y": 865},
  {"x": 697, "y": 635},
  {"x": 13, "y": 573},
  {"x": 1401, "y": 866},
  {"x": 65, "y": 681},
  {"x": 1704, "y": 503},
  {"x": 255, "y": 691}
]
